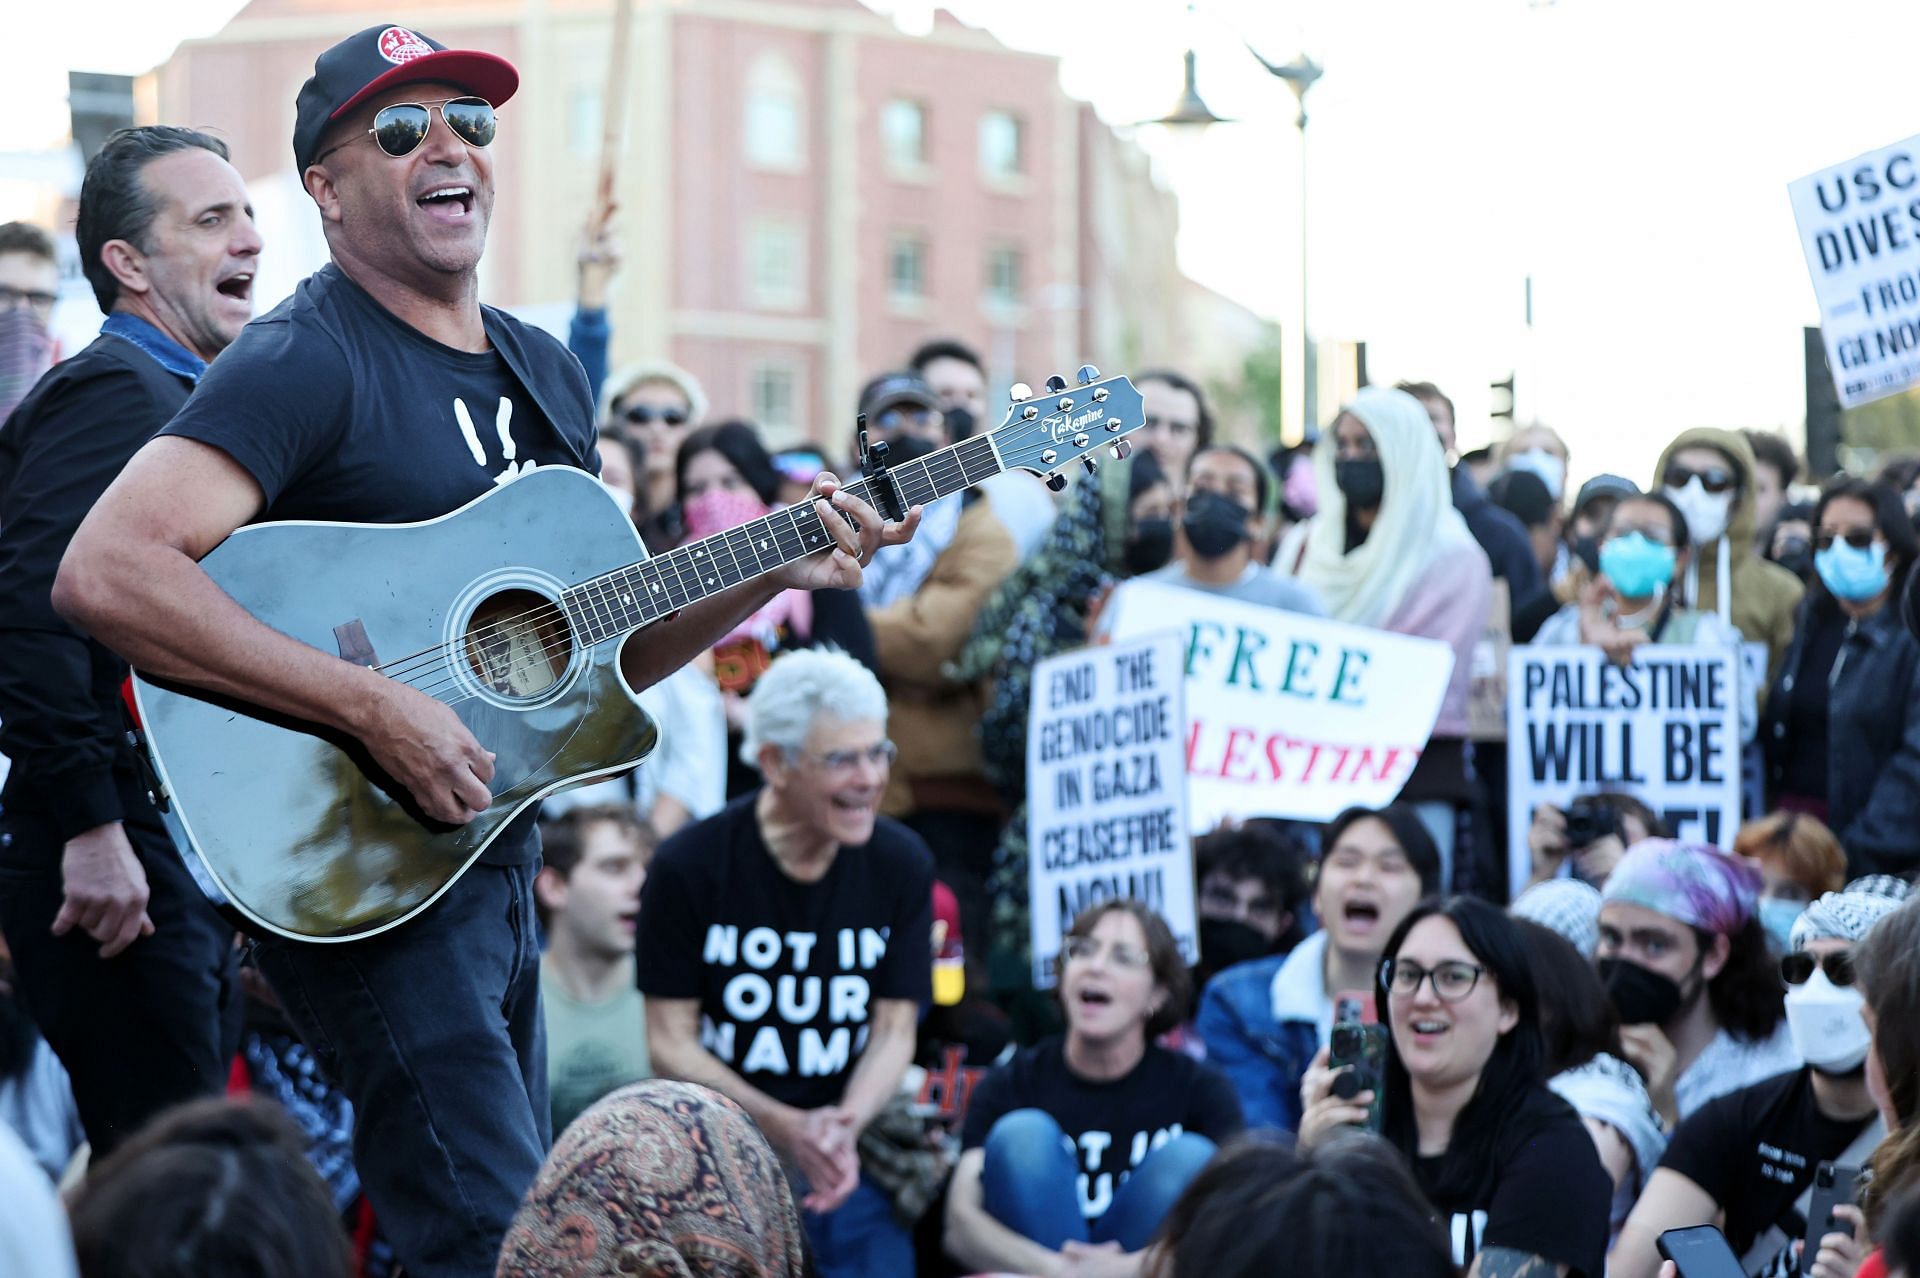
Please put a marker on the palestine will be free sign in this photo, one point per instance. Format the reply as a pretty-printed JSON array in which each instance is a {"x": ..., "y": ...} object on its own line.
[
  {"x": 1107, "y": 791},
  {"x": 1860, "y": 229},
  {"x": 1665, "y": 729}
]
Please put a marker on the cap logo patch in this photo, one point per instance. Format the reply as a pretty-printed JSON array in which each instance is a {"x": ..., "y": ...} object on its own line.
[{"x": 399, "y": 45}]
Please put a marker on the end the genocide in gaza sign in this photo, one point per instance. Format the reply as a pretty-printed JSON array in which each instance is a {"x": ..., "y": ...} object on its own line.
[{"x": 1860, "y": 229}]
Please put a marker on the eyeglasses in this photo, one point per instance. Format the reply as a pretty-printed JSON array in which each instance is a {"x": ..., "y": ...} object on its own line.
[
  {"x": 1087, "y": 948},
  {"x": 1858, "y": 538},
  {"x": 1715, "y": 479},
  {"x": 647, "y": 414},
  {"x": 402, "y": 127},
  {"x": 1452, "y": 980},
  {"x": 895, "y": 418},
  {"x": 846, "y": 761},
  {"x": 1654, "y": 533},
  {"x": 14, "y": 299},
  {"x": 1797, "y": 968},
  {"x": 1172, "y": 426}
]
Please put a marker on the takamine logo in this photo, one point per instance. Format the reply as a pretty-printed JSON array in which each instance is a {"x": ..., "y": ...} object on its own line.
[
  {"x": 1063, "y": 425},
  {"x": 399, "y": 45}
]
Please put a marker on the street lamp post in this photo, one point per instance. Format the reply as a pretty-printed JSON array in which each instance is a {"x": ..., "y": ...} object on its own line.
[{"x": 1190, "y": 111}]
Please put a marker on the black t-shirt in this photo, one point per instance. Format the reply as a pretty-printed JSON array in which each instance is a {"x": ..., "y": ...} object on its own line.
[
  {"x": 1113, "y": 1125},
  {"x": 342, "y": 412},
  {"x": 1544, "y": 1192},
  {"x": 1755, "y": 1150},
  {"x": 786, "y": 972}
]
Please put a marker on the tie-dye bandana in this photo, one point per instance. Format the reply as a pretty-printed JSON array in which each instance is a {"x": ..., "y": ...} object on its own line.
[{"x": 1699, "y": 885}]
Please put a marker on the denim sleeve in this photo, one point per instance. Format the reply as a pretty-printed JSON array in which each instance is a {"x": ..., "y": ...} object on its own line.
[
  {"x": 1269, "y": 1094},
  {"x": 588, "y": 337}
]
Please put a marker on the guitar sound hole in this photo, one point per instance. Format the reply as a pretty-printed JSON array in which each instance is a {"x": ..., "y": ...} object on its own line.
[{"x": 518, "y": 643}]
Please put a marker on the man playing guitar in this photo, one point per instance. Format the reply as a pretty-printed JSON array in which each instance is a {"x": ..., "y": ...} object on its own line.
[{"x": 384, "y": 392}]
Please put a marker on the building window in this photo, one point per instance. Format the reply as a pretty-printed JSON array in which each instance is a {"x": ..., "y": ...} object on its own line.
[
  {"x": 774, "y": 393},
  {"x": 776, "y": 265},
  {"x": 1002, "y": 145},
  {"x": 907, "y": 268},
  {"x": 1003, "y": 275},
  {"x": 903, "y": 127},
  {"x": 776, "y": 110}
]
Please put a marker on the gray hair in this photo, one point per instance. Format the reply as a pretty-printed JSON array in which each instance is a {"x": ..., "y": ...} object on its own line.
[{"x": 798, "y": 688}]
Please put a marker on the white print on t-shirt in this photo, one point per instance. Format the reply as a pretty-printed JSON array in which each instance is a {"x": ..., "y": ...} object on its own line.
[
  {"x": 833, "y": 994},
  {"x": 1096, "y": 1186},
  {"x": 1780, "y": 1165},
  {"x": 1467, "y": 1231},
  {"x": 502, "y": 427}
]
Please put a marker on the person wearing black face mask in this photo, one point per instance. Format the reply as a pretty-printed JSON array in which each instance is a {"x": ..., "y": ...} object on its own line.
[
  {"x": 1252, "y": 887},
  {"x": 1685, "y": 960},
  {"x": 1220, "y": 521}
]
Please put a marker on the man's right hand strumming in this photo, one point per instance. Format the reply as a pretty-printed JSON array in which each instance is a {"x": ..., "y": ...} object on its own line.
[{"x": 422, "y": 744}]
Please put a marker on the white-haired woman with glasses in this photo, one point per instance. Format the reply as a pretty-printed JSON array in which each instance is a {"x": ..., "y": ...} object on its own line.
[
  {"x": 1507, "y": 1164},
  {"x": 1077, "y": 1148},
  {"x": 783, "y": 948}
]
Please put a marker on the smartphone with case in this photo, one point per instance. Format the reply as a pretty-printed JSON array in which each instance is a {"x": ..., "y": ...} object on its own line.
[
  {"x": 1701, "y": 1252},
  {"x": 1834, "y": 1185},
  {"x": 1359, "y": 1045}
]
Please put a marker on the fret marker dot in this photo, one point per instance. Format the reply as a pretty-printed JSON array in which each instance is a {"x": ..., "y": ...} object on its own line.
[{"x": 709, "y": 581}]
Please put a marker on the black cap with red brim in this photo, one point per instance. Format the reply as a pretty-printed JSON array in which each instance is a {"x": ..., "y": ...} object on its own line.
[{"x": 378, "y": 58}]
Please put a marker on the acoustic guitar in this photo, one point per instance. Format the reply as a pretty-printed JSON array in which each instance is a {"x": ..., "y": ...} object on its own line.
[{"x": 512, "y": 610}]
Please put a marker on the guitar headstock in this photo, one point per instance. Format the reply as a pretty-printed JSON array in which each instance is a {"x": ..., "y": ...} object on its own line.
[{"x": 1046, "y": 433}]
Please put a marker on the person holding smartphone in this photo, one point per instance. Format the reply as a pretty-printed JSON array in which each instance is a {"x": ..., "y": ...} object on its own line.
[
  {"x": 1076, "y": 1149},
  {"x": 1507, "y": 1164},
  {"x": 1746, "y": 1160}
]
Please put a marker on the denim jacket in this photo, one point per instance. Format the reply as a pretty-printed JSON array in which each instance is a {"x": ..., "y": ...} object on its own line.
[{"x": 1262, "y": 1022}]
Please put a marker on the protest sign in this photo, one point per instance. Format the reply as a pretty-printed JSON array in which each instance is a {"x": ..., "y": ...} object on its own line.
[
  {"x": 1860, "y": 229},
  {"x": 1289, "y": 715},
  {"x": 1106, "y": 799},
  {"x": 1665, "y": 729}
]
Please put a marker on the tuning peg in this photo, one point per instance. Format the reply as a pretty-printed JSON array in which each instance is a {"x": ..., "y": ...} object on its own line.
[
  {"x": 1090, "y": 463},
  {"x": 1056, "y": 482},
  {"x": 1087, "y": 375},
  {"x": 1122, "y": 450},
  {"x": 1056, "y": 384},
  {"x": 1019, "y": 391}
]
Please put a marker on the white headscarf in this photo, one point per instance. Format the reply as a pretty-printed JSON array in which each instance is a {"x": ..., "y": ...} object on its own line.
[{"x": 1416, "y": 523}]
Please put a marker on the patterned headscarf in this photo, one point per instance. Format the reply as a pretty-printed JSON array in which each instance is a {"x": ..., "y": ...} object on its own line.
[
  {"x": 658, "y": 1180},
  {"x": 1567, "y": 906},
  {"x": 1849, "y": 915},
  {"x": 1694, "y": 883}
]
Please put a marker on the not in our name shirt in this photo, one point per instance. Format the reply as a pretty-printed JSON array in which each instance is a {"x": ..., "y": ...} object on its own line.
[
  {"x": 786, "y": 972},
  {"x": 1544, "y": 1192},
  {"x": 1754, "y": 1151},
  {"x": 1112, "y": 1125},
  {"x": 342, "y": 412}
]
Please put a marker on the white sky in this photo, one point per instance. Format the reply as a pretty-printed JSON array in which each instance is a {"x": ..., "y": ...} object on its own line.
[{"x": 1631, "y": 155}]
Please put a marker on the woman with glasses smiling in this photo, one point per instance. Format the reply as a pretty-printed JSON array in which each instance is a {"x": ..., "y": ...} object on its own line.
[
  {"x": 1077, "y": 1148},
  {"x": 1842, "y": 731},
  {"x": 1508, "y": 1165}
]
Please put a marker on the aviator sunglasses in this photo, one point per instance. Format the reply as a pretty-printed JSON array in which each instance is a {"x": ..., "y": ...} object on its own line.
[{"x": 402, "y": 127}]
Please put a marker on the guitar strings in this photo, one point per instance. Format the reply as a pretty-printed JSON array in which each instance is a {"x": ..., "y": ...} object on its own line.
[{"x": 438, "y": 664}]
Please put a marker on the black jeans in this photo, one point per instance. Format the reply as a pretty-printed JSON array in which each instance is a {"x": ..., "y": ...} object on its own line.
[
  {"x": 139, "y": 1032},
  {"x": 433, "y": 1030}
]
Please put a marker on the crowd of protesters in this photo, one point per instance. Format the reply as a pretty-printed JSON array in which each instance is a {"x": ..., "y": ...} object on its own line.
[{"x": 769, "y": 994}]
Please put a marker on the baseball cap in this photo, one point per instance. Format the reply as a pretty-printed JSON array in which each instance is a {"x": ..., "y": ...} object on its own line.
[
  {"x": 1604, "y": 486},
  {"x": 888, "y": 389},
  {"x": 949, "y": 950},
  {"x": 377, "y": 58}
]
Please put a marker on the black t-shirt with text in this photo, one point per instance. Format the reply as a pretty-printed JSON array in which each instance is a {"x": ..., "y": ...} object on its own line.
[
  {"x": 786, "y": 972},
  {"x": 1544, "y": 1192},
  {"x": 1112, "y": 1125},
  {"x": 1754, "y": 1151},
  {"x": 342, "y": 412}
]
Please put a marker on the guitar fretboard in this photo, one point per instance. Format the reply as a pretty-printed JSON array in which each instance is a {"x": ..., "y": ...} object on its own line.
[{"x": 630, "y": 597}]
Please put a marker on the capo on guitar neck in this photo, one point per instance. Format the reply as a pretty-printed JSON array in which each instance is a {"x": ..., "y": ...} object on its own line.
[{"x": 880, "y": 484}]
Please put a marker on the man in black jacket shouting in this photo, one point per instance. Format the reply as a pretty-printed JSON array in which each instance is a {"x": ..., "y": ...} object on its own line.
[{"x": 120, "y": 960}]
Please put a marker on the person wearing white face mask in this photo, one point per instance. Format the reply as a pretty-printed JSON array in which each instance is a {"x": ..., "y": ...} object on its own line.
[
  {"x": 1751, "y": 1154},
  {"x": 1539, "y": 450},
  {"x": 1842, "y": 725},
  {"x": 1708, "y": 474}
]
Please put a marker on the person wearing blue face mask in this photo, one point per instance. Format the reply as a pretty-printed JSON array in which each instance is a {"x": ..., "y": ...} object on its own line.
[
  {"x": 1842, "y": 732},
  {"x": 1800, "y": 861},
  {"x": 1634, "y": 599}
]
